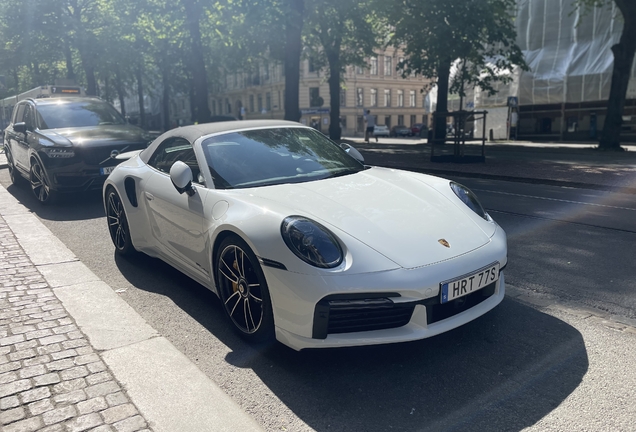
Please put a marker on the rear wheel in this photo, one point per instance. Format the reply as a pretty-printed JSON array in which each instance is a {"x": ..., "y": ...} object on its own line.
[
  {"x": 40, "y": 183},
  {"x": 243, "y": 290},
  {"x": 118, "y": 223}
]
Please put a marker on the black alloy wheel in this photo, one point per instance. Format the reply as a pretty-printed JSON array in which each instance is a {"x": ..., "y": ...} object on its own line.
[
  {"x": 118, "y": 223},
  {"x": 243, "y": 290},
  {"x": 15, "y": 176},
  {"x": 40, "y": 183}
]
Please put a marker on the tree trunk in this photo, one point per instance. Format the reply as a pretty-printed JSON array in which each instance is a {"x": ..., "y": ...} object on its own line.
[
  {"x": 165, "y": 101},
  {"x": 91, "y": 81},
  {"x": 333, "y": 56},
  {"x": 140, "y": 96},
  {"x": 68, "y": 55},
  {"x": 623, "y": 59},
  {"x": 443, "y": 74},
  {"x": 293, "y": 44},
  {"x": 121, "y": 92},
  {"x": 199, "y": 76}
]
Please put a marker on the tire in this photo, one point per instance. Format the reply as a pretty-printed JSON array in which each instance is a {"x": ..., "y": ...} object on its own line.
[
  {"x": 15, "y": 176},
  {"x": 40, "y": 184},
  {"x": 118, "y": 224},
  {"x": 243, "y": 290}
]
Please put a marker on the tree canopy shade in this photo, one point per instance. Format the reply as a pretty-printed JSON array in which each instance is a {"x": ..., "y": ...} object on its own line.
[
  {"x": 623, "y": 52},
  {"x": 435, "y": 33}
]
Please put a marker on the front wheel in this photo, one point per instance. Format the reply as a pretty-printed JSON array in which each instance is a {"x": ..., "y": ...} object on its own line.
[
  {"x": 14, "y": 175},
  {"x": 118, "y": 223},
  {"x": 243, "y": 290},
  {"x": 40, "y": 183}
]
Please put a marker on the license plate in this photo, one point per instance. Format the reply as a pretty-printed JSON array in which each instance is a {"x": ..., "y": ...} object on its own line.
[
  {"x": 465, "y": 285},
  {"x": 106, "y": 170}
]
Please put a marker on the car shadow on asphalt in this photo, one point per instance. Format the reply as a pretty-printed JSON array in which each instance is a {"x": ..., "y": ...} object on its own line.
[
  {"x": 502, "y": 372},
  {"x": 67, "y": 207}
]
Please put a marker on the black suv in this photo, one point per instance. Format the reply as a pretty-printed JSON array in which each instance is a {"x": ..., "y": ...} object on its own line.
[{"x": 67, "y": 144}]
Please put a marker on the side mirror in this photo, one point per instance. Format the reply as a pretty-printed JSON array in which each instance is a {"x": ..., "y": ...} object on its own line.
[
  {"x": 351, "y": 151},
  {"x": 181, "y": 176},
  {"x": 20, "y": 127}
]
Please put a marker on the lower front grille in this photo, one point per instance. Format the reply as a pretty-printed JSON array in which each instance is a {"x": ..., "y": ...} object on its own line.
[
  {"x": 366, "y": 312},
  {"x": 335, "y": 315}
]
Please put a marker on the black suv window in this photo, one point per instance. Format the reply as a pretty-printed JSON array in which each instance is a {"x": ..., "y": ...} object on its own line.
[
  {"x": 69, "y": 114},
  {"x": 29, "y": 117},
  {"x": 19, "y": 113},
  {"x": 172, "y": 150}
]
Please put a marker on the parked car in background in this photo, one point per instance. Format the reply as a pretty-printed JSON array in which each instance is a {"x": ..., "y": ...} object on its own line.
[
  {"x": 419, "y": 129},
  {"x": 381, "y": 131},
  {"x": 67, "y": 144},
  {"x": 302, "y": 241},
  {"x": 400, "y": 131}
]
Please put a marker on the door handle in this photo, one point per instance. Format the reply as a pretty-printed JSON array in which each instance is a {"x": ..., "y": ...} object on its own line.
[{"x": 149, "y": 196}]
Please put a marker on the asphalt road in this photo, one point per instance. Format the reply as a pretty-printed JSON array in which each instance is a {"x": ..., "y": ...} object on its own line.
[{"x": 516, "y": 367}]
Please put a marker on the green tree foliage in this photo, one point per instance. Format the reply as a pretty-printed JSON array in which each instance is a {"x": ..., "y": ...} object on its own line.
[
  {"x": 624, "y": 52},
  {"x": 341, "y": 33},
  {"x": 436, "y": 33}
]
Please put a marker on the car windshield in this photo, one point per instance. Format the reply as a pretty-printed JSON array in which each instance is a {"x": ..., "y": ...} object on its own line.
[
  {"x": 68, "y": 114},
  {"x": 275, "y": 156}
]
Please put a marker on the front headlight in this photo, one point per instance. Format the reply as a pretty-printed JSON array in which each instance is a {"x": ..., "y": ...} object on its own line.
[
  {"x": 59, "y": 152},
  {"x": 311, "y": 242},
  {"x": 470, "y": 199}
]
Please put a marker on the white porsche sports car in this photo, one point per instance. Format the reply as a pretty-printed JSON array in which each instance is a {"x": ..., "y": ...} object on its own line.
[{"x": 302, "y": 241}]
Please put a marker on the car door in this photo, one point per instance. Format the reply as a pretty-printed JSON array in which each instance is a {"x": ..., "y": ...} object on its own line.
[
  {"x": 17, "y": 141},
  {"x": 177, "y": 220}
]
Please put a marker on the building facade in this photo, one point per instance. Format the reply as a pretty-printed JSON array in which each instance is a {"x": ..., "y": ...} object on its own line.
[{"x": 378, "y": 87}]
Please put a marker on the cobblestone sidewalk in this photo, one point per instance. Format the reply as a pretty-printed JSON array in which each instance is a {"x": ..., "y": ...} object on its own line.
[{"x": 51, "y": 379}]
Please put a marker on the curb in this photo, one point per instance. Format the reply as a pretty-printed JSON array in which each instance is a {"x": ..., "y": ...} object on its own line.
[{"x": 169, "y": 390}]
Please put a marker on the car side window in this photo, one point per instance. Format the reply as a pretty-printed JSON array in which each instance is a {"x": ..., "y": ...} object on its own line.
[
  {"x": 19, "y": 113},
  {"x": 172, "y": 150},
  {"x": 28, "y": 117}
]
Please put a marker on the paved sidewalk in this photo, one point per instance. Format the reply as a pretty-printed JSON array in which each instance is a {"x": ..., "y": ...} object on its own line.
[
  {"x": 574, "y": 165},
  {"x": 51, "y": 379},
  {"x": 75, "y": 357}
]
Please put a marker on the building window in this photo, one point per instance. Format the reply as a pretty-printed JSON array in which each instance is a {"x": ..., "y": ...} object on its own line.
[
  {"x": 412, "y": 98},
  {"x": 360, "y": 124},
  {"x": 387, "y": 98},
  {"x": 388, "y": 65},
  {"x": 374, "y": 97},
  {"x": 268, "y": 101},
  {"x": 412, "y": 119},
  {"x": 260, "y": 103},
  {"x": 252, "y": 103},
  {"x": 314, "y": 97},
  {"x": 266, "y": 71},
  {"x": 400, "y": 98},
  {"x": 387, "y": 121},
  {"x": 228, "y": 106},
  {"x": 359, "y": 70},
  {"x": 312, "y": 65},
  {"x": 401, "y": 120},
  {"x": 343, "y": 98},
  {"x": 425, "y": 119},
  {"x": 359, "y": 97},
  {"x": 374, "y": 65}
]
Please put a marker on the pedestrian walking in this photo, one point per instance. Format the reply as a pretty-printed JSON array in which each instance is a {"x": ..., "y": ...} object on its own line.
[{"x": 370, "y": 126}]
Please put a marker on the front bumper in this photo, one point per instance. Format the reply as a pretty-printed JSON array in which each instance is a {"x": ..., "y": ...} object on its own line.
[
  {"x": 398, "y": 305},
  {"x": 417, "y": 327}
]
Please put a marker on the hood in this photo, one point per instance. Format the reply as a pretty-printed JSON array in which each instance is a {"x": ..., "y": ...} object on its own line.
[
  {"x": 105, "y": 135},
  {"x": 394, "y": 212}
]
